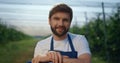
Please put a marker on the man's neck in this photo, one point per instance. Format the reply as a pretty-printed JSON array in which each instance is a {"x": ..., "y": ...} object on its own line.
[{"x": 59, "y": 38}]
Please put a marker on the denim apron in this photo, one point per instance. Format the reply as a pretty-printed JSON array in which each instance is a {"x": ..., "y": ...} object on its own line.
[{"x": 71, "y": 54}]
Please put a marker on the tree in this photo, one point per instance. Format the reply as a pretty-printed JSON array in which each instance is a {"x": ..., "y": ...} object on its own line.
[{"x": 96, "y": 37}]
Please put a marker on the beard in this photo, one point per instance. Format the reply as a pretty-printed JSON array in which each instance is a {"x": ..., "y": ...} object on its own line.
[{"x": 65, "y": 30}]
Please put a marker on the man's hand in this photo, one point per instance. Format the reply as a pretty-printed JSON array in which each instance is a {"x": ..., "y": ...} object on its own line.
[{"x": 55, "y": 57}]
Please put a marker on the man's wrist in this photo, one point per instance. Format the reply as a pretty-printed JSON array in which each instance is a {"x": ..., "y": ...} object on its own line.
[{"x": 44, "y": 59}]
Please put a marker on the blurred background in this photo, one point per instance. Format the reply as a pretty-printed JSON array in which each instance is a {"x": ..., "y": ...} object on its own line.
[{"x": 24, "y": 22}]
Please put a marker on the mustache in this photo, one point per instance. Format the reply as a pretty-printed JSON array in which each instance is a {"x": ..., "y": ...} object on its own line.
[{"x": 60, "y": 27}]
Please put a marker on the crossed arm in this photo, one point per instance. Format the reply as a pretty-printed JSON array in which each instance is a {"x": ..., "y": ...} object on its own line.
[{"x": 56, "y": 57}]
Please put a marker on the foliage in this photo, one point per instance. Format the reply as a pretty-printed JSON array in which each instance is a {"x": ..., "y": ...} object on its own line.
[
  {"x": 114, "y": 38},
  {"x": 104, "y": 38},
  {"x": 10, "y": 34}
]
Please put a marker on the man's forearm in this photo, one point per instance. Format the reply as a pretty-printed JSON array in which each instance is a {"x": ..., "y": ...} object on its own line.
[
  {"x": 73, "y": 60},
  {"x": 40, "y": 59}
]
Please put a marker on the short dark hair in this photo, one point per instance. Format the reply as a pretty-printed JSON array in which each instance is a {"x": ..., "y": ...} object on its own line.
[{"x": 61, "y": 8}]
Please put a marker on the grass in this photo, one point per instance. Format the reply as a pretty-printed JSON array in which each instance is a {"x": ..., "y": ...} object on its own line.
[
  {"x": 22, "y": 51},
  {"x": 17, "y": 52}
]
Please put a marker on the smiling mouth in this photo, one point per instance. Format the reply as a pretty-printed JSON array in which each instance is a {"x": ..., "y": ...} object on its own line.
[{"x": 60, "y": 29}]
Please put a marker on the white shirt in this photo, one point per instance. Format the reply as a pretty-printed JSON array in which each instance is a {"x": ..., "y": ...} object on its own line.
[{"x": 79, "y": 42}]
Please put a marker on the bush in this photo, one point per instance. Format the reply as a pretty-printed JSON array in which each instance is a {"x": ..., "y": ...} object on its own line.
[{"x": 10, "y": 34}]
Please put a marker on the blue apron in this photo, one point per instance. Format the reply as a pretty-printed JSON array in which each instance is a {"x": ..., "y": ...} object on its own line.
[{"x": 71, "y": 54}]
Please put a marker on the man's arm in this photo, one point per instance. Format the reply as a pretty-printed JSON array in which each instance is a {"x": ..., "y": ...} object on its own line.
[
  {"x": 39, "y": 58},
  {"x": 51, "y": 56},
  {"x": 84, "y": 58},
  {"x": 55, "y": 57}
]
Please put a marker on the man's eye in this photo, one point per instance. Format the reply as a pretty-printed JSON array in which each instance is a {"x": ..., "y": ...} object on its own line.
[
  {"x": 56, "y": 18},
  {"x": 66, "y": 20}
]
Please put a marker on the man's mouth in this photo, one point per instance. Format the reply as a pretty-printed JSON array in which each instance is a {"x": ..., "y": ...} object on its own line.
[{"x": 61, "y": 29}]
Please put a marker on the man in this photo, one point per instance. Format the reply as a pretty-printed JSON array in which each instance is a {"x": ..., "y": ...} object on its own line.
[{"x": 62, "y": 46}]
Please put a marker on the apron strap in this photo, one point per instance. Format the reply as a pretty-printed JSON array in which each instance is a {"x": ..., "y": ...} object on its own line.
[
  {"x": 51, "y": 45},
  {"x": 71, "y": 44}
]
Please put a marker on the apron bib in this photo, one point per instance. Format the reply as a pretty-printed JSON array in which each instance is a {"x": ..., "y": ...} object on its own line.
[{"x": 71, "y": 54}]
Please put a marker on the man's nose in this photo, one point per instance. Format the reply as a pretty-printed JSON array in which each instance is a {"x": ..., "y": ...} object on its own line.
[{"x": 61, "y": 23}]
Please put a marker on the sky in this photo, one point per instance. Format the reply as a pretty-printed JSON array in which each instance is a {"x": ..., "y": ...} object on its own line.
[{"x": 31, "y": 16}]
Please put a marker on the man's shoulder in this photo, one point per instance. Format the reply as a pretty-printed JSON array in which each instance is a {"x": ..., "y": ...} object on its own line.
[{"x": 72, "y": 35}]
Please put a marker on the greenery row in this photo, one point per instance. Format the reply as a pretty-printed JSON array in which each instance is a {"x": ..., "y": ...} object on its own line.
[
  {"x": 103, "y": 36},
  {"x": 8, "y": 34}
]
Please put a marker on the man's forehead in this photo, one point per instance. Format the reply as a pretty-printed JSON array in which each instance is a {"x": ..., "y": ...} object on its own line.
[{"x": 61, "y": 14}]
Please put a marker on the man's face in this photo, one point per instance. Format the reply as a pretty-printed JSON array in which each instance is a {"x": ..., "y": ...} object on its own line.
[{"x": 60, "y": 23}]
